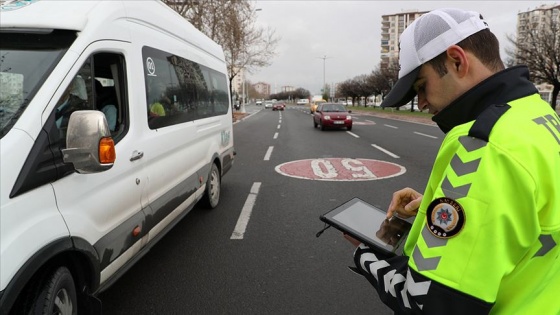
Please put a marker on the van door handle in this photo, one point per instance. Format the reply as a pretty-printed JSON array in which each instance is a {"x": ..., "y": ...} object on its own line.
[{"x": 136, "y": 155}]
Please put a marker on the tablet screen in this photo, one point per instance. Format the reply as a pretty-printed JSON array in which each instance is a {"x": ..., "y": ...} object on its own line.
[{"x": 369, "y": 225}]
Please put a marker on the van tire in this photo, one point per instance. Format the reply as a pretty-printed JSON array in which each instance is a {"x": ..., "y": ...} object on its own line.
[
  {"x": 55, "y": 294},
  {"x": 211, "y": 197}
]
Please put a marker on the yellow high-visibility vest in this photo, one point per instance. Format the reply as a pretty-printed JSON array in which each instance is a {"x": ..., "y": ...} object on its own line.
[{"x": 489, "y": 222}]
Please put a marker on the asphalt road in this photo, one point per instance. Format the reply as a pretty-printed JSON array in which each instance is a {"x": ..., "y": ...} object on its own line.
[{"x": 271, "y": 262}]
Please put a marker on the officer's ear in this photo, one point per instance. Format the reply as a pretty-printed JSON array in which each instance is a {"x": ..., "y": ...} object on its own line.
[{"x": 457, "y": 61}]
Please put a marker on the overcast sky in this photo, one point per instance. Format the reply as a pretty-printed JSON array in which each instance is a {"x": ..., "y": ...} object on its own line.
[{"x": 348, "y": 33}]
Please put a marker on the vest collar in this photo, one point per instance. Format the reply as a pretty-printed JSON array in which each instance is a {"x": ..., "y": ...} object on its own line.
[{"x": 502, "y": 87}]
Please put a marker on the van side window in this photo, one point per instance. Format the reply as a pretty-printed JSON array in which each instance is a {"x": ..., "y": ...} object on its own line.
[
  {"x": 77, "y": 96},
  {"x": 111, "y": 94},
  {"x": 179, "y": 90},
  {"x": 99, "y": 85}
]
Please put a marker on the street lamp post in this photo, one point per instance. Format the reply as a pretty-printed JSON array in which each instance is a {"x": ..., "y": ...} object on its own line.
[{"x": 324, "y": 75}]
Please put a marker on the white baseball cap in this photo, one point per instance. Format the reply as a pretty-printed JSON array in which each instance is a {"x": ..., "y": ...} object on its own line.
[{"x": 423, "y": 40}]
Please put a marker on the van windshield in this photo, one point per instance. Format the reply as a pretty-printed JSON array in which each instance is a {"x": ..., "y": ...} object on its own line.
[{"x": 27, "y": 57}]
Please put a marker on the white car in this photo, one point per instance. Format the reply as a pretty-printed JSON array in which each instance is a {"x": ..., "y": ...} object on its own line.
[
  {"x": 302, "y": 101},
  {"x": 258, "y": 102},
  {"x": 267, "y": 104}
]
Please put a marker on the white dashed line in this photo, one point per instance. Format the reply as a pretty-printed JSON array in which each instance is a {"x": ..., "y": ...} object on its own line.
[
  {"x": 425, "y": 135},
  {"x": 275, "y": 136},
  {"x": 391, "y": 126},
  {"x": 268, "y": 153},
  {"x": 352, "y": 134},
  {"x": 385, "y": 151},
  {"x": 278, "y": 127},
  {"x": 243, "y": 220}
]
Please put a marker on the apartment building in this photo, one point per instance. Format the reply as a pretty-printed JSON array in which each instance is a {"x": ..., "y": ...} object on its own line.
[
  {"x": 536, "y": 19},
  {"x": 238, "y": 81},
  {"x": 392, "y": 26},
  {"x": 287, "y": 88},
  {"x": 262, "y": 88}
]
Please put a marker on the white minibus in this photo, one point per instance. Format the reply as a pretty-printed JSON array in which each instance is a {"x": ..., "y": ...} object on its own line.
[{"x": 115, "y": 120}]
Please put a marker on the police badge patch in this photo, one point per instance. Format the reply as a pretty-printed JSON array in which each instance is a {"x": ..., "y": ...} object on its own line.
[{"x": 445, "y": 217}]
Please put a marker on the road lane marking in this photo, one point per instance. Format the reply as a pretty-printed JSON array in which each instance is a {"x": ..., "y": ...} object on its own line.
[
  {"x": 425, "y": 135},
  {"x": 385, "y": 151},
  {"x": 278, "y": 127},
  {"x": 340, "y": 169},
  {"x": 352, "y": 134},
  {"x": 275, "y": 136},
  {"x": 391, "y": 126},
  {"x": 243, "y": 220},
  {"x": 268, "y": 153}
]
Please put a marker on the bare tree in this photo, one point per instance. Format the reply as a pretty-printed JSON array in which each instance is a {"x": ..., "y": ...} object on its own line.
[
  {"x": 390, "y": 74},
  {"x": 362, "y": 85},
  {"x": 231, "y": 23},
  {"x": 539, "y": 49},
  {"x": 348, "y": 89},
  {"x": 291, "y": 95},
  {"x": 379, "y": 81}
]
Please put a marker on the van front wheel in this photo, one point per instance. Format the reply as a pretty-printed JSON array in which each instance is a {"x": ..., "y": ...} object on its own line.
[
  {"x": 56, "y": 295},
  {"x": 213, "y": 188}
]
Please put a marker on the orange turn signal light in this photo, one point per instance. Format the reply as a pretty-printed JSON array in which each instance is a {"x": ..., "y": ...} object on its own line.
[{"x": 107, "y": 150}]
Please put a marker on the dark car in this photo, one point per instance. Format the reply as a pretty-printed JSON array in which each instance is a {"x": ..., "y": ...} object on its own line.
[
  {"x": 332, "y": 115},
  {"x": 278, "y": 106}
]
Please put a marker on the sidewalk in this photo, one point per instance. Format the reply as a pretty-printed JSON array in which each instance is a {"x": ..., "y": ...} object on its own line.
[
  {"x": 237, "y": 115},
  {"x": 395, "y": 115}
]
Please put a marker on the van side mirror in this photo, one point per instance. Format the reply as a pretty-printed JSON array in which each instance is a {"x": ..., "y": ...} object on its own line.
[{"x": 89, "y": 146}]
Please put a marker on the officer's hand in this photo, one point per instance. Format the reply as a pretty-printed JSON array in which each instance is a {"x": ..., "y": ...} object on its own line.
[{"x": 405, "y": 203}]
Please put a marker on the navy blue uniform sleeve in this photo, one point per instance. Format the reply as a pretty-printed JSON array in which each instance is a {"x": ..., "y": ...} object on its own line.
[{"x": 408, "y": 292}]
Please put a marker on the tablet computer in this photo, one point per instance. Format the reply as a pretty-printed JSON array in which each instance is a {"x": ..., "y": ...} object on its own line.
[{"x": 369, "y": 225}]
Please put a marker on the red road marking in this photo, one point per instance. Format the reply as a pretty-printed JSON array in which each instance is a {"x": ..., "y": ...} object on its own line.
[{"x": 340, "y": 169}]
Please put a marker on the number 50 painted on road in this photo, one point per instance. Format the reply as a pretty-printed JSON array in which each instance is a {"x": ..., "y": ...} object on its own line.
[{"x": 340, "y": 169}]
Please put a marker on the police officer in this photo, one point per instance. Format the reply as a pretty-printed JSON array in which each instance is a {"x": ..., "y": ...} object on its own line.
[{"x": 486, "y": 237}]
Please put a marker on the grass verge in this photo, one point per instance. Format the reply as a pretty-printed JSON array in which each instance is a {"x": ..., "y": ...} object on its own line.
[{"x": 404, "y": 112}]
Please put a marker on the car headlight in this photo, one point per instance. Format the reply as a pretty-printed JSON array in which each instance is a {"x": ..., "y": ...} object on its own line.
[
  {"x": 327, "y": 117},
  {"x": 348, "y": 117}
]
